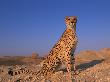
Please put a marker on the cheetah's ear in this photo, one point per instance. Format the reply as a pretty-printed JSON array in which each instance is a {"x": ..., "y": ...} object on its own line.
[{"x": 66, "y": 17}]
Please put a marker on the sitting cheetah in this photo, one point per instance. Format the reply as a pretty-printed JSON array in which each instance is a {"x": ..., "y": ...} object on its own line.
[{"x": 62, "y": 52}]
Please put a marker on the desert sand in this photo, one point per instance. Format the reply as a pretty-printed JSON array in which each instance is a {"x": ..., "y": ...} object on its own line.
[{"x": 92, "y": 66}]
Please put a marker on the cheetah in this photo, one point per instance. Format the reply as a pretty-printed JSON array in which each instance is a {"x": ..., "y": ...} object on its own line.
[{"x": 62, "y": 52}]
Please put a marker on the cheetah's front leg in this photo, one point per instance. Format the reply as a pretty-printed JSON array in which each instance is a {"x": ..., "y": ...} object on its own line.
[
  {"x": 73, "y": 64},
  {"x": 68, "y": 63}
]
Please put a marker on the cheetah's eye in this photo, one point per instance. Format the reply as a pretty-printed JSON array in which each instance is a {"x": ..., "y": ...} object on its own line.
[
  {"x": 68, "y": 19},
  {"x": 74, "y": 19}
]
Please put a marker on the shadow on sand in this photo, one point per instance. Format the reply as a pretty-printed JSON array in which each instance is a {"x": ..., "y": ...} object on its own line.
[{"x": 84, "y": 66}]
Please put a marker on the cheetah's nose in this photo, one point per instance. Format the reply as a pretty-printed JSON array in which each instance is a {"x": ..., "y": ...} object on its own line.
[{"x": 72, "y": 22}]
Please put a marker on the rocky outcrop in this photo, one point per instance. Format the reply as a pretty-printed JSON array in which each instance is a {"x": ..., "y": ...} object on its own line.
[{"x": 34, "y": 55}]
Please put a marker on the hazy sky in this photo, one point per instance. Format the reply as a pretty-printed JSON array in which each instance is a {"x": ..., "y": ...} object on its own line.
[{"x": 28, "y": 26}]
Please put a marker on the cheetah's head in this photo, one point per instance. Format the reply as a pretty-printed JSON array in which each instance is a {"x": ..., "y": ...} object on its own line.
[{"x": 71, "y": 21}]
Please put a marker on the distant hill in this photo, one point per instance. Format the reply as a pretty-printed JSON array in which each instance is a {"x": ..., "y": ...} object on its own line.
[
  {"x": 87, "y": 56},
  {"x": 20, "y": 60},
  {"x": 81, "y": 57}
]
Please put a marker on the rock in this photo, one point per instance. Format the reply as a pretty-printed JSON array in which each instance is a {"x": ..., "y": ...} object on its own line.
[{"x": 34, "y": 55}]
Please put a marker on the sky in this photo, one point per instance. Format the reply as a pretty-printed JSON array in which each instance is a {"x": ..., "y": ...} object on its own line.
[{"x": 28, "y": 26}]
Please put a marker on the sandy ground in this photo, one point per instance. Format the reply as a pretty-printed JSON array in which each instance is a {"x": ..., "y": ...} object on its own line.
[{"x": 92, "y": 66}]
